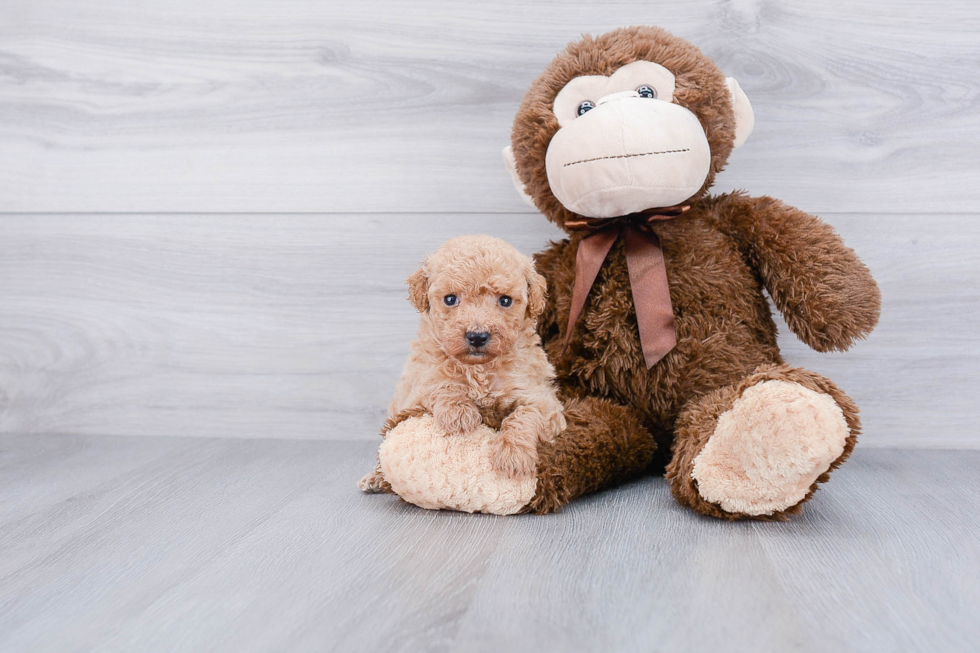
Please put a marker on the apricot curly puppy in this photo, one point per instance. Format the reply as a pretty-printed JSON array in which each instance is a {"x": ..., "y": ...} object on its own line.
[{"x": 478, "y": 358}]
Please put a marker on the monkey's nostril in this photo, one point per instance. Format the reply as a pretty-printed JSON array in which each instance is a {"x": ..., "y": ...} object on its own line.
[{"x": 477, "y": 338}]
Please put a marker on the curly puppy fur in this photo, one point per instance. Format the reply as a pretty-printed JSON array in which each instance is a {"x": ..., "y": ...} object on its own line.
[
  {"x": 721, "y": 257},
  {"x": 506, "y": 383}
]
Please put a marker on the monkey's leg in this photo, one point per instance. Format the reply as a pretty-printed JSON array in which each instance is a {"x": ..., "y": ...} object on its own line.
[
  {"x": 603, "y": 445},
  {"x": 758, "y": 448}
]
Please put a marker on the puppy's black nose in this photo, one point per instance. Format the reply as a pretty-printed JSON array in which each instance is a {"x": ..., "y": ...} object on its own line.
[{"x": 477, "y": 338}]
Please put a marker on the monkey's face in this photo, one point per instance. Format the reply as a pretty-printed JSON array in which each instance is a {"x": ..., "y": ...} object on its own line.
[
  {"x": 633, "y": 120},
  {"x": 623, "y": 145}
]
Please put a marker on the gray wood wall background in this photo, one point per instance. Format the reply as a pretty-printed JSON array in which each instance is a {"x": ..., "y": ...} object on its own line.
[{"x": 209, "y": 208}]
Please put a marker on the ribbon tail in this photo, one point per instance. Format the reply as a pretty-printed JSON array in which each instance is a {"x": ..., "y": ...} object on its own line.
[
  {"x": 592, "y": 251},
  {"x": 651, "y": 294}
]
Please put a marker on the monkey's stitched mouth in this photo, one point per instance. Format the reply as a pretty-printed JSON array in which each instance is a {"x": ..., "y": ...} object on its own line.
[{"x": 626, "y": 156}]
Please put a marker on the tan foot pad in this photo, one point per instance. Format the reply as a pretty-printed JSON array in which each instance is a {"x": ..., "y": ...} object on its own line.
[
  {"x": 433, "y": 470},
  {"x": 769, "y": 448}
]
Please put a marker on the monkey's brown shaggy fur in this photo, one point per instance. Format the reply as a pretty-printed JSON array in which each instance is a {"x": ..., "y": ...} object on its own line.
[
  {"x": 699, "y": 87},
  {"x": 720, "y": 256}
]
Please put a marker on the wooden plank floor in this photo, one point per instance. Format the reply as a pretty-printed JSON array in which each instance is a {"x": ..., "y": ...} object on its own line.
[{"x": 190, "y": 544}]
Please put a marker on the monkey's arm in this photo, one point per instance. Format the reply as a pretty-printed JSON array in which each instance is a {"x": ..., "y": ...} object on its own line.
[{"x": 821, "y": 287}]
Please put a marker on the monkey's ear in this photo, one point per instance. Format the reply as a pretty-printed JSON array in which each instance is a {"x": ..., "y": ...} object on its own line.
[
  {"x": 511, "y": 164},
  {"x": 537, "y": 289},
  {"x": 744, "y": 116},
  {"x": 418, "y": 290}
]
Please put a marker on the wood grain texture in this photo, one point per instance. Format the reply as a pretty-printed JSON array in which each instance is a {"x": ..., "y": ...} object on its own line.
[
  {"x": 392, "y": 106},
  {"x": 297, "y": 326},
  {"x": 196, "y": 544}
]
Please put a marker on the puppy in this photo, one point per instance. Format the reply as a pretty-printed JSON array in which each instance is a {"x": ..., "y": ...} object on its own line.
[{"x": 478, "y": 358}]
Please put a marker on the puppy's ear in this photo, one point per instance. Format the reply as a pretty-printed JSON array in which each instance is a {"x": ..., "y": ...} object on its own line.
[
  {"x": 537, "y": 288},
  {"x": 418, "y": 290}
]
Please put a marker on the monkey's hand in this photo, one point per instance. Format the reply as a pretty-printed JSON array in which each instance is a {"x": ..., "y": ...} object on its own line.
[{"x": 821, "y": 287}]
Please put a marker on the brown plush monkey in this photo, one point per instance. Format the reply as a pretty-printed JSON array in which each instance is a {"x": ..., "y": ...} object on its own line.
[
  {"x": 656, "y": 320},
  {"x": 637, "y": 123}
]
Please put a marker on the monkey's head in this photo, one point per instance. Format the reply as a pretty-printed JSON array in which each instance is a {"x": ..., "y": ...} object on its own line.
[{"x": 632, "y": 120}]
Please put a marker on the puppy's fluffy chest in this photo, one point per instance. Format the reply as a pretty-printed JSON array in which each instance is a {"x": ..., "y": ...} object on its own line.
[
  {"x": 486, "y": 389},
  {"x": 484, "y": 385}
]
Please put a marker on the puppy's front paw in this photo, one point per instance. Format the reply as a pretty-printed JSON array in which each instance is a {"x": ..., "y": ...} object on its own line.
[
  {"x": 458, "y": 419},
  {"x": 513, "y": 458},
  {"x": 372, "y": 483}
]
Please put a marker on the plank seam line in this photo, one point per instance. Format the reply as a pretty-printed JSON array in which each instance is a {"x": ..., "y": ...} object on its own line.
[{"x": 16, "y": 214}]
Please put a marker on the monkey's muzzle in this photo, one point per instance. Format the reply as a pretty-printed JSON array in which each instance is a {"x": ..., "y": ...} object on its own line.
[{"x": 627, "y": 155}]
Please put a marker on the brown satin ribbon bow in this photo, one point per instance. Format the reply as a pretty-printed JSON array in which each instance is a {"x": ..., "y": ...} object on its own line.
[{"x": 648, "y": 274}]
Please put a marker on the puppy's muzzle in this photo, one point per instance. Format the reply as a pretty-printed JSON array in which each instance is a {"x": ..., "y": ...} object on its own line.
[{"x": 477, "y": 338}]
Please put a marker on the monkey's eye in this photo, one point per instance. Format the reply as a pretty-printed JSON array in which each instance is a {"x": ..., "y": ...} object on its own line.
[
  {"x": 450, "y": 300},
  {"x": 585, "y": 107},
  {"x": 647, "y": 91},
  {"x": 505, "y": 301}
]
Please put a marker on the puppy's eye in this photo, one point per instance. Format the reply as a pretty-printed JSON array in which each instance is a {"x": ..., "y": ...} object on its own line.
[
  {"x": 450, "y": 300},
  {"x": 647, "y": 91},
  {"x": 585, "y": 107},
  {"x": 505, "y": 301}
]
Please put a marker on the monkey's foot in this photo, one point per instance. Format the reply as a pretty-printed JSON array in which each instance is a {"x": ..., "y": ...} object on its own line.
[
  {"x": 769, "y": 448},
  {"x": 432, "y": 469}
]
